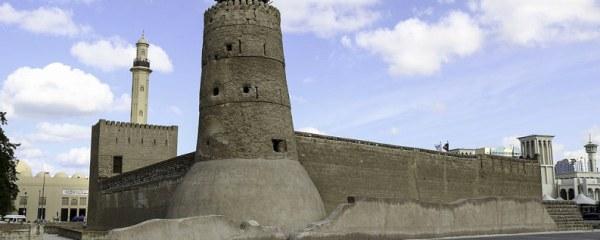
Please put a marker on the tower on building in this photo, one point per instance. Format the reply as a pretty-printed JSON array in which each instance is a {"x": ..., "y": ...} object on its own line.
[
  {"x": 247, "y": 163},
  {"x": 140, "y": 83},
  {"x": 591, "y": 149},
  {"x": 539, "y": 147}
]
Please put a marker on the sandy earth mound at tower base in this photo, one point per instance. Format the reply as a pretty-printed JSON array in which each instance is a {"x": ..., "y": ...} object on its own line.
[
  {"x": 400, "y": 219},
  {"x": 272, "y": 192},
  {"x": 195, "y": 228}
]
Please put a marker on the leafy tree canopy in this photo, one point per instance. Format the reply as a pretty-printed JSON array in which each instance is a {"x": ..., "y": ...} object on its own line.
[{"x": 8, "y": 173}]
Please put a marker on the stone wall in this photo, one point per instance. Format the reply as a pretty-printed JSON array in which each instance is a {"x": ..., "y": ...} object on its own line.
[
  {"x": 139, "y": 145},
  {"x": 401, "y": 219},
  {"x": 140, "y": 195},
  {"x": 345, "y": 167},
  {"x": 19, "y": 232}
]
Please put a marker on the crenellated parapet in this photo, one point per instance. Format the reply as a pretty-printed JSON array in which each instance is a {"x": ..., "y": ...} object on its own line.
[
  {"x": 236, "y": 12},
  {"x": 162, "y": 171},
  {"x": 136, "y": 125}
]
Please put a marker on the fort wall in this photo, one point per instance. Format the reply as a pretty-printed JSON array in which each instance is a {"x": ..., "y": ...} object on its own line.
[
  {"x": 141, "y": 194},
  {"x": 136, "y": 145},
  {"x": 344, "y": 167}
]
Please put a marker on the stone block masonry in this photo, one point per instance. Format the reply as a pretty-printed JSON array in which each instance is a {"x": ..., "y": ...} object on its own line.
[
  {"x": 345, "y": 167},
  {"x": 141, "y": 194},
  {"x": 118, "y": 148}
]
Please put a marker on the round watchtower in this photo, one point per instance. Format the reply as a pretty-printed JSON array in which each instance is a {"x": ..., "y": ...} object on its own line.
[{"x": 247, "y": 162}]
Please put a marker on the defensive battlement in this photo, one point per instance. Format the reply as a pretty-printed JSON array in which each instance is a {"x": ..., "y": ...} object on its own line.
[
  {"x": 136, "y": 125},
  {"x": 383, "y": 145},
  {"x": 236, "y": 12}
]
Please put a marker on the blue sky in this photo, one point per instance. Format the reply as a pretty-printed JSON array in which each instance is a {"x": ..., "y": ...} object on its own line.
[{"x": 475, "y": 73}]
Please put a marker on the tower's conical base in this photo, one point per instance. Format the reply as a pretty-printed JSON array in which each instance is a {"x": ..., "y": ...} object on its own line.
[{"x": 272, "y": 192}]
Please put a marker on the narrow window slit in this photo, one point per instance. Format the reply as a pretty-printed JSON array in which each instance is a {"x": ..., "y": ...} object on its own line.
[{"x": 279, "y": 145}]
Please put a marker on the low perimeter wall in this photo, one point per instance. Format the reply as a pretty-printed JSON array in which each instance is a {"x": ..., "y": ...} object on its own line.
[
  {"x": 366, "y": 219},
  {"x": 398, "y": 219},
  {"x": 19, "y": 232},
  {"x": 200, "y": 228}
]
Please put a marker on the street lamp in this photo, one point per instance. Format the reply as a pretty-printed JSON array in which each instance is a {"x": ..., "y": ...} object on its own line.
[{"x": 41, "y": 199}]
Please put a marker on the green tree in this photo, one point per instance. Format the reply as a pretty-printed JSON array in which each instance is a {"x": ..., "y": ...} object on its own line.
[{"x": 8, "y": 173}]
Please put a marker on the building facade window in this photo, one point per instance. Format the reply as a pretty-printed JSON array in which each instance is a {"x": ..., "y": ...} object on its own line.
[
  {"x": 74, "y": 201},
  {"x": 118, "y": 164},
  {"x": 83, "y": 201},
  {"x": 65, "y": 201}
]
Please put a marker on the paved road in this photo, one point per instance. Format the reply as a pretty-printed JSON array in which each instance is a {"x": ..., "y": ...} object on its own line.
[
  {"x": 53, "y": 237},
  {"x": 555, "y": 236}
]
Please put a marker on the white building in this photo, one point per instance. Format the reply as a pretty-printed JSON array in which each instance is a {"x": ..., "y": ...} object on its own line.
[
  {"x": 498, "y": 151},
  {"x": 540, "y": 147},
  {"x": 584, "y": 180}
]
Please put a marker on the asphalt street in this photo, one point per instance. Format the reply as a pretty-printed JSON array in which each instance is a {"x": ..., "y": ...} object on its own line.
[{"x": 553, "y": 236}]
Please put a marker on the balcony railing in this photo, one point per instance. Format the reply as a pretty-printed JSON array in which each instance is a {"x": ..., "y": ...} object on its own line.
[{"x": 141, "y": 63}]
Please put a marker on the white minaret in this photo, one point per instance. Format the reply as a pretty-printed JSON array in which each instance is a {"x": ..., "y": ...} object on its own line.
[
  {"x": 139, "y": 87},
  {"x": 539, "y": 147},
  {"x": 591, "y": 149}
]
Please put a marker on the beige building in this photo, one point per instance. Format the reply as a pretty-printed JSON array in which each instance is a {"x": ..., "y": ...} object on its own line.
[{"x": 55, "y": 197}]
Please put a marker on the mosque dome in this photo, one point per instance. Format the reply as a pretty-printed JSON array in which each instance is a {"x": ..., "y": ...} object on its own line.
[
  {"x": 41, "y": 174},
  {"x": 23, "y": 169},
  {"x": 61, "y": 175},
  {"x": 78, "y": 175}
]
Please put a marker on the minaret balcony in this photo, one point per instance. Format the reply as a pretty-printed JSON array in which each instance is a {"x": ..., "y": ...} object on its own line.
[{"x": 141, "y": 63}]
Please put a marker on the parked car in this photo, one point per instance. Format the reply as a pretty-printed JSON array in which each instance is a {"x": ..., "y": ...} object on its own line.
[
  {"x": 14, "y": 219},
  {"x": 78, "y": 219}
]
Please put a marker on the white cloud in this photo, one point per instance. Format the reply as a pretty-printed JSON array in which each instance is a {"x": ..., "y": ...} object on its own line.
[
  {"x": 595, "y": 134},
  {"x": 48, "y": 132},
  {"x": 530, "y": 22},
  {"x": 175, "y": 110},
  {"x": 76, "y": 157},
  {"x": 346, "y": 41},
  {"x": 71, "y": 1},
  {"x": 511, "y": 141},
  {"x": 394, "y": 131},
  {"x": 574, "y": 154},
  {"x": 327, "y": 18},
  {"x": 115, "y": 54},
  {"x": 415, "y": 47},
  {"x": 46, "y": 20},
  {"x": 123, "y": 103},
  {"x": 55, "y": 90},
  {"x": 311, "y": 130}
]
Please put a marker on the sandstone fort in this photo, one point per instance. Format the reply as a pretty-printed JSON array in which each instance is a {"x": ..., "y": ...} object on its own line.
[{"x": 253, "y": 177}]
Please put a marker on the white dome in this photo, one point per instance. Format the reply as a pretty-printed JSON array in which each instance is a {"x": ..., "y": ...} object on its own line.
[
  {"x": 23, "y": 169},
  {"x": 61, "y": 175}
]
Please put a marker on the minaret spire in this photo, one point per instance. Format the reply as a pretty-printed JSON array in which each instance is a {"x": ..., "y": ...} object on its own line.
[
  {"x": 591, "y": 149},
  {"x": 140, "y": 82}
]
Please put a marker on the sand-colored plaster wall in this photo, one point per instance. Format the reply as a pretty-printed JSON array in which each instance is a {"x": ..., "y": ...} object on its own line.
[{"x": 413, "y": 219}]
